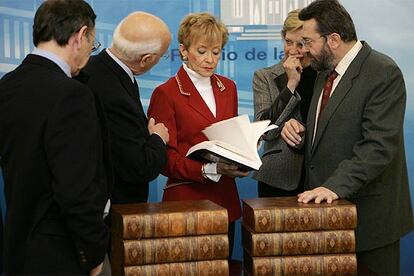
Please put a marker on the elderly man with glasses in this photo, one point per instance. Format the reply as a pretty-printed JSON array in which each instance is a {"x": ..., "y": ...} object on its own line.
[{"x": 138, "y": 145}]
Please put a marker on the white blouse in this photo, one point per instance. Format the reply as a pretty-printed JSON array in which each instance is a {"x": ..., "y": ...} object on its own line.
[{"x": 203, "y": 86}]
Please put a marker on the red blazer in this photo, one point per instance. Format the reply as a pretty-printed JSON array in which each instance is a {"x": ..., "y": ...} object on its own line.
[{"x": 178, "y": 105}]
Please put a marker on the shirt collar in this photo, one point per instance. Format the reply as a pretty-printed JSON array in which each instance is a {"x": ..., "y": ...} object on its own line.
[
  {"x": 55, "y": 58},
  {"x": 120, "y": 63},
  {"x": 348, "y": 58}
]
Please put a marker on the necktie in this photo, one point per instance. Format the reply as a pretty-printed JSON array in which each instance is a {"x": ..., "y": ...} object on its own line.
[{"x": 327, "y": 91}]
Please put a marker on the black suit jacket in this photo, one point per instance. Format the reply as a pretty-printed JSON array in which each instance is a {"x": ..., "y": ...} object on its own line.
[
  {"x": 137, "y": 156},
  {"x": 55, "y": 184}
]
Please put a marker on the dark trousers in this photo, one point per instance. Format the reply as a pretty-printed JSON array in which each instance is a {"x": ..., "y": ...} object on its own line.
[
  {"x": 265, "y": 190},
  {"x": 380, "y": 261}
]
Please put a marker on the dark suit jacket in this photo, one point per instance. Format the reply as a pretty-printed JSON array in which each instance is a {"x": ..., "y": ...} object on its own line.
[
  {"x": 55, "y": 185},
  {"x": 358, "y": 150},
  {"x": 137, "y": 156},
  {"x": 179, "y": 105}
]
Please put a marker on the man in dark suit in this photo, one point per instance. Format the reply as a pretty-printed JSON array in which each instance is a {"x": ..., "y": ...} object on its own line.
[
  {"x": 354, "y": 134},
  {"x": 51, "y": 151},
  {"x": 138, "y": 146}
]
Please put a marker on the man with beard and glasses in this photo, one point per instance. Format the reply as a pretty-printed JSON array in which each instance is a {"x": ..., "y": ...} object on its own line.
[{"x": 354, "y": 142}]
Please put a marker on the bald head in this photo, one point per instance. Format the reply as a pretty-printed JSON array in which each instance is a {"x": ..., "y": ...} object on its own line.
[
  {"x": 142, "y": 26},
  {"x": 140, "y": 33}
]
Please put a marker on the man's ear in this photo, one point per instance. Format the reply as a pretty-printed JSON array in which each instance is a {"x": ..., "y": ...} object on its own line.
[
  {"x": 79, "y": 36},
  {"x": 146, "y": 59},
  {"x": 334, "y": 40}
]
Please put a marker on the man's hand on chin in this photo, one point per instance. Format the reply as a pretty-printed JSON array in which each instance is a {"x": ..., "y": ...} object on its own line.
[{"x": 319, "y": 194}]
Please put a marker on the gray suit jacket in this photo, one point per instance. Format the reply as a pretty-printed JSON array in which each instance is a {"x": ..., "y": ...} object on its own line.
[
  {"x": 358, "y": 151},
  {"x": 282, "y": 165}
]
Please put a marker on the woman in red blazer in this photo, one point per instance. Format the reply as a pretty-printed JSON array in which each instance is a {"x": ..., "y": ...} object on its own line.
[{"x": 187, "y": 103}]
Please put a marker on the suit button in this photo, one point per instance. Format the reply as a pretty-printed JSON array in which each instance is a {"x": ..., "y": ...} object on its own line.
[{"x": 312, "y": 167}]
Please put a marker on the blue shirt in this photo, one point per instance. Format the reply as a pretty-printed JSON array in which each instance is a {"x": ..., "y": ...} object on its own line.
[{"x": 55, "y": 58}]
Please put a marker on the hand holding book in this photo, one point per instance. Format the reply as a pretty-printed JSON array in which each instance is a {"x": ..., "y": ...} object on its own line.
[
  {"x": 232, "y": 141},
  {"x": 231, "y": 170}
]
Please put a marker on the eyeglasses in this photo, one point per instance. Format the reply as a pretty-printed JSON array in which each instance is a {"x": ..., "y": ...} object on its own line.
[
  {"x": 307, "y": 42},
  {"x": 96, "y": 45},
  {"x": 290, "y": 43}
]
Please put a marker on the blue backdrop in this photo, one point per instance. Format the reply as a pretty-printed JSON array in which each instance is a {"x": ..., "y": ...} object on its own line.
[{"x": 254, "y": 42}]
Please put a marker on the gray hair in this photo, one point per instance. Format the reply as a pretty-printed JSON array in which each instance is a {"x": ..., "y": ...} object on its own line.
[{"x": 131, "y": 51}]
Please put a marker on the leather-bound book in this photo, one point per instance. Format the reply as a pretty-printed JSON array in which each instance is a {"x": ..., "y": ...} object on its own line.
[
  {"x": 212, "y": 267},
  {"x": 304, "y": 265},
  {"x": 285, "y": 214},
  {"x": 168, "y": 219},
  {"x": 166, "y": 250},
  {"x": 298, "y": 243}
]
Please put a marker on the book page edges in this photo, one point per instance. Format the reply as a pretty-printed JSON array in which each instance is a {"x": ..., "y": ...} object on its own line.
[{"x": 228, "y": 152}]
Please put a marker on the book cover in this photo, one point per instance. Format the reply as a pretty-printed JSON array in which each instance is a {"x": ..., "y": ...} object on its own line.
[
  {"x": 166, "y": 250},
  {"x": 335, "y": 265},
  {"x": 168, "y": 219},
  {"x": 285, "y": 214},
  {"x": 298, "y": 243},
  {"x": 232, "y": 141},
  {"x": 213, "y": 268}
]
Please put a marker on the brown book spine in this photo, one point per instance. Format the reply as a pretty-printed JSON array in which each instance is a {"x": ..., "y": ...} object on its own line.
[
  {"x": 279, "y": 219},
  {"x": 298, "y": 243},
  {"x": 339, "y": 264},
  {"x": 166, "y": 250},
  {"x": 214, "y": 267},
  {"x": 138, "y": 226}
]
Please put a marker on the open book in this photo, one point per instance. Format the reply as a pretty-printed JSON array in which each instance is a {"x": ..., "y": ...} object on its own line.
[{"x": 232, "y": 141}]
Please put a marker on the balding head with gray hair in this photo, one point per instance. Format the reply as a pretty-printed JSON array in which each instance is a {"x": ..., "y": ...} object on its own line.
[{"x": 140, "y": 35}]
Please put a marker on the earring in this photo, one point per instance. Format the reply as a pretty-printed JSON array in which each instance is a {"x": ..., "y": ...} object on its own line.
[{"x": 185, "y": 58}]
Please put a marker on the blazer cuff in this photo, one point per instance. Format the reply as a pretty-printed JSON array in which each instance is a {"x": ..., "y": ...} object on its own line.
[
  {"x": 165, "y": 143},
  {"x": 154, "y": 134},
  {"x": 285, "y": 96}
]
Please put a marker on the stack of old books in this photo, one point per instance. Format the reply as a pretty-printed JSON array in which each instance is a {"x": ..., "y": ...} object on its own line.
[
  {"x": 283, "y": 237},
  {"x": 170, "y": 238}
]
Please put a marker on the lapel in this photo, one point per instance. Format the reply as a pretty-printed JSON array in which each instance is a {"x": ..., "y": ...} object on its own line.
[
  {"x": 279, "y": 75},
  {"x": 310, "y": 125},
  {"x": 281, "y": 82},
  {"x": 130, "y": 88},
  {"x": 220, "y": 96},
  {"x": 341, "y": 90},
  {"x": 196, "y": 102}
]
